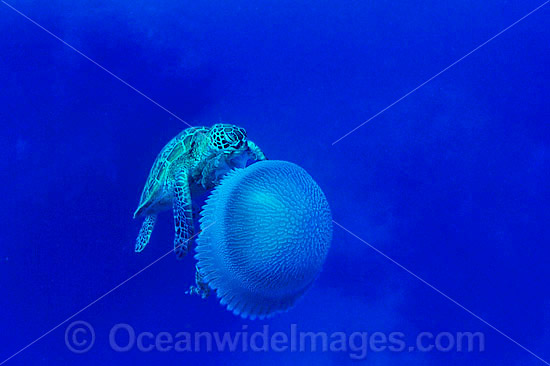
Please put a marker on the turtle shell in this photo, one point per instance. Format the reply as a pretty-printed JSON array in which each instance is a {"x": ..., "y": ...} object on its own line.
[{"x": 174, "y": 150}]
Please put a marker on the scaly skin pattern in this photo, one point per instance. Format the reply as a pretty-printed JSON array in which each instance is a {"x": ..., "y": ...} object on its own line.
[{"x": 193, "y": 161}]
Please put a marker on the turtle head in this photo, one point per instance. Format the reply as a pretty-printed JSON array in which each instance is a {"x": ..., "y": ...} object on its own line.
[
  {"x": 228, "y": 149},
  {"x": 227, "y": 138}
]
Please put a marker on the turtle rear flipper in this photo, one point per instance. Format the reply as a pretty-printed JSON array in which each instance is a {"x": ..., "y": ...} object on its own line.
[
  {"x": 201, "y": 287},
  {"x": 183, "y": 214},
  {"x": 145, "y": 232}
]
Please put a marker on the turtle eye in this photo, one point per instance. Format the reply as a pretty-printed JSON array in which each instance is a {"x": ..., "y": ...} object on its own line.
[
  {"x": 234, "y": 139},
  {"x": 238, "y": 136}
]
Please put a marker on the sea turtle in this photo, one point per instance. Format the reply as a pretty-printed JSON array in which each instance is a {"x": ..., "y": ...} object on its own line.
[{"x": 191, "y": 163}]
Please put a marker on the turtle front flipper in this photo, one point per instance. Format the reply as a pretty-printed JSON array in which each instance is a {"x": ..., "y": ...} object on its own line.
[
  {"x": 183, "y": 214},
  {"x": 145, "y": 232}
]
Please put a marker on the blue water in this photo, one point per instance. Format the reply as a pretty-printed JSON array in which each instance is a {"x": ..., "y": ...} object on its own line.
[{"x": 451, "y": 182}]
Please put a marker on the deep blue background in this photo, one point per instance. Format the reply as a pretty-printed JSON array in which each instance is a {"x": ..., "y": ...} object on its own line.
[{"x": 452, "y": 182}]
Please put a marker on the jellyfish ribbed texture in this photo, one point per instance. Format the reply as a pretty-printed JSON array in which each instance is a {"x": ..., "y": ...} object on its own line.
[{"x": 266, "y": 233}]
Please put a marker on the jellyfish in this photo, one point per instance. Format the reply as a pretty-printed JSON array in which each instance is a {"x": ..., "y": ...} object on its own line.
[{"x": 266, "y": 231}]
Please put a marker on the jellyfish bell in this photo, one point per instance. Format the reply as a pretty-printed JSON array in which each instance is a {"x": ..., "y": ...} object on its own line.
[{"x": 266, "y": 231}]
